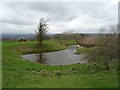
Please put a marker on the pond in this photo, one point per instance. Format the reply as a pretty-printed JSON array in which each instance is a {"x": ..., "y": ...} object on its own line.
[{"x": 63, "y": 57}]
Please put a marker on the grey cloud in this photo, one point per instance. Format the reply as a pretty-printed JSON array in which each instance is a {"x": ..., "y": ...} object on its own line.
[
  {"x": 60, "y": 15},
  {"x": 16, "y": 20}
]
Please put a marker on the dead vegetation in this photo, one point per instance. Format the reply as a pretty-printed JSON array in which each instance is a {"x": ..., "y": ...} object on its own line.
[{"x": 89, "y": 41}]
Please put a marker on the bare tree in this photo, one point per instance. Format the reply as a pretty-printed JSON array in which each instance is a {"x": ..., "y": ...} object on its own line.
[
  {"x": 42, "y": 28},
  {"x": 107, "y": 51}
]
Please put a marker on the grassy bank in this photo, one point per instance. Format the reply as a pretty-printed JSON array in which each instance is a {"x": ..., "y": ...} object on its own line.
[
  {"x": 19, "y": 73},
  {"x": 84, "y": 50}
]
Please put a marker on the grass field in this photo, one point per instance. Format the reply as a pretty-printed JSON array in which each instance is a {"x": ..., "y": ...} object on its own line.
[{"x": 19, "y": 73}]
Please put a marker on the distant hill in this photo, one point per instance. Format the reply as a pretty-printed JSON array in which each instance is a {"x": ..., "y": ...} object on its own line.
[
  {"x": 17, "y": 36},
  {"x": 8, "y": 36},
  {"x": 91, "y": 34}
]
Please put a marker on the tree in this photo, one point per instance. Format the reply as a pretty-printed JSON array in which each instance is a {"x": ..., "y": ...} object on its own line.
[
  {"x": 107, "y": 50},
  {"x": 42, "y": 28}
]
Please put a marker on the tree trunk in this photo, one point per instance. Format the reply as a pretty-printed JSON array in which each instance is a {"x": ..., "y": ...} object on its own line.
[
  {"x": 40, "y": 42},
  {"x": 107, "y": 66}
]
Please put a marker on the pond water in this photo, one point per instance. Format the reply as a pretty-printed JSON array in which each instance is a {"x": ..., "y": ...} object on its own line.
[{"x": 62, "y": 57}]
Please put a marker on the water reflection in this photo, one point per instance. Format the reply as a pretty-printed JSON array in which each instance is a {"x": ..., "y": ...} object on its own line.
[
  {"x": 62, "y": 57},
  {"x": 40, "y": 58}
]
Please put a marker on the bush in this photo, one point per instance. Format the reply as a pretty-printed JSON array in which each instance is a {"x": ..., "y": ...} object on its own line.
[{"x": 107, "y": 52}]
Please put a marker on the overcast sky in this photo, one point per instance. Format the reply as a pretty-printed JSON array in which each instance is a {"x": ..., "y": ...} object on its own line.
[{"x": 80, "y": 16}]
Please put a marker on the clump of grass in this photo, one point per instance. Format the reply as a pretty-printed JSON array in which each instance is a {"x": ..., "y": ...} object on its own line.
[
  {"x": 33, "y": 72},
  {"x": 43, "y": 73}
]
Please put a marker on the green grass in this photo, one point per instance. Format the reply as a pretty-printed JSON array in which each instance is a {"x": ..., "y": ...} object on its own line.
[
  {"x": 47, "y": 46},
  {"x": 18, "y": 73},
  {"x": 67, "y": 42},
  {"x": 84, "y": 50}
]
